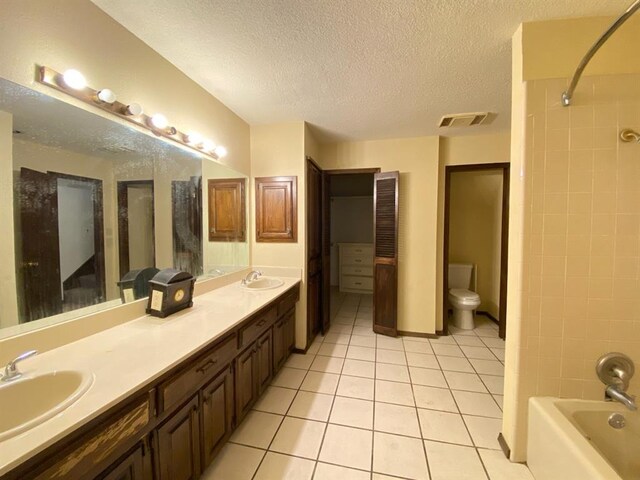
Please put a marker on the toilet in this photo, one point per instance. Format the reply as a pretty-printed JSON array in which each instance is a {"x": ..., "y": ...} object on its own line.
[{"x": 462, "y": 300}]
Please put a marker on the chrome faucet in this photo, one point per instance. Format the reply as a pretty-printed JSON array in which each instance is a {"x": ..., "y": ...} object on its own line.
[
  {"x": 11, "y": 371},
  {"x": 615, "y": 371},
  {"x": 251, "y": 276}
]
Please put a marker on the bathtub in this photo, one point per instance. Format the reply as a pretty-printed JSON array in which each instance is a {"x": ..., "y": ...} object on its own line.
[{"x": 572, "y": 439}]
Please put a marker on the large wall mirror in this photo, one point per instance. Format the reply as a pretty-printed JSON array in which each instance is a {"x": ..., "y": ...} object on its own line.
[{"x": 94, "y": 200}]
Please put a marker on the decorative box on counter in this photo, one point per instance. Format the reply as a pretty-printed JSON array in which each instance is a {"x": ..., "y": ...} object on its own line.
[
  {"x": 170, "y": 291},
  {"x": 135, "y": 284}
]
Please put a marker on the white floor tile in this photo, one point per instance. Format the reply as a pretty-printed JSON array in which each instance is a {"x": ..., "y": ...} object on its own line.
[
  {"x": 465, "y": 381},
  {"x": 399, "y": 456},
  {"x": 363, "y": 341},
  {"x": 339, "y": 338},
  {"x": 444, "y": 340},
  {"x": 493, "y": 383},
  {"x": 487, "y": 332},
  {"x": 453, "y": 462},
  {"x": 500, "y": 468},
  {"x": 390, "y": 343},
  {"x": 234, "y": 462},
  {"x": 257, "y": 429},
  {"x": 473, "y": 403},
  {"x": 314, "y": 347},
  {"x": 275, "y": 400},
  {"x": 499, "y": 353},
  {"x": 447, "y": 350},
  {"x": 488, "y": 367},
  {"x": 341, "y": 329},
  {"x": 334, "y": 350},
  {"x": 289, "y": 378},
  {"x": 297, "y": 360},
  {"x": 325, "y": 471},
  {"x": 327, "y": 364},
  {"x": 484, "y": 431},
  {"x": 499, "y": 400},
  {"x": 443, "y": 427},
  {"x": 320, "y": 382},
  {"x": 358, "y": 368},
  {"x": 476, "y": 352},
  {"x": 312, "y": 406},
  {"x": 298, "y": 437},
  {"x": 455, "y": 364},
  {"x": 493, "y": 342},
  {"x": 395, "y": 373},
  {"x": 417, "y": 347},
  {"x": 361, "y": 353},
  {"x": 472, "y": 341},
  {"x": 427, "y": 376},
  {"x": 355, "y": 387},
  {"x": 396, "y": 419},
  {"x": 390, "y": 356},
  {"x": 346, "y": 320},
  {"x": 363, "y": 322},
  {"x": 348, "y": 447},
  {"x": 352, "y": 412},
  {"x": 434, "y": 398},
  {"x": 366, "y": 331},
  {"x": 394, "y": 392},
  {"x": 421, "y": 360},
  {"x": 284, "y": 467}
]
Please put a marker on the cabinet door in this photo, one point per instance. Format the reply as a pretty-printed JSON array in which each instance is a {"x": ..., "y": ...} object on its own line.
[
  {"x": 279, "y": 342},
  {"x": 132, "y": 467},
  {"x": 264, "y": 361},
  {"x": 178, "y": 446},
  {"x": 289, "y": 332},
  {"x": 217, "y": 414},
  {"x": 245, "y": 382}
]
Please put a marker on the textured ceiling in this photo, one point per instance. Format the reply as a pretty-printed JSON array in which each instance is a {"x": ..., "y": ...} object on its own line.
[{"x": 355, "y": 69}]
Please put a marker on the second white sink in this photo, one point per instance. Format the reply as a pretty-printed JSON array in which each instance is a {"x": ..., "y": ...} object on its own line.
[{"x": 264, "y": 283}]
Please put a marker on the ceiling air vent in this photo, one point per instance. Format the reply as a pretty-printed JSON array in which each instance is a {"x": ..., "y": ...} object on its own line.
[{"x": 465, "y": 119}]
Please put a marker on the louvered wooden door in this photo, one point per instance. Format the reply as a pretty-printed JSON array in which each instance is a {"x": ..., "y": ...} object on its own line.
[{"x": 385, "y": 262}]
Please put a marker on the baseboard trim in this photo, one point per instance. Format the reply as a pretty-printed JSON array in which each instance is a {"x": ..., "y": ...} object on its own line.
[
  {"x": 488, "y": 315},
  {"x": 302, "y": 351},
  {"x": 504, "y": 446},
  {"x": 420, "y": 334}
]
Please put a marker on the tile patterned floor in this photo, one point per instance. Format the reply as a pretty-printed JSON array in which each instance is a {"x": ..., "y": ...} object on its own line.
[{"x": 365, "y": 406}]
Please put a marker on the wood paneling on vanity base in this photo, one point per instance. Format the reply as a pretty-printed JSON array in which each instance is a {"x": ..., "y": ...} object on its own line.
[
  {"x": 174, "y": 426},
  {"x": 227, "y": 212},
  {"x": 276, "y": 209}
]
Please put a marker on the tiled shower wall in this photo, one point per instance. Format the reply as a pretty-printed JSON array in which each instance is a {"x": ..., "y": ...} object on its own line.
[{"x": 581, "y": 236}]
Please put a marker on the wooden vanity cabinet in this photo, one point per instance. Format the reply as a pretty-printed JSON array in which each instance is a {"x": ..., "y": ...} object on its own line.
[
  {"x": 283, "y": 339},
  {"x": 216, "y": 416},
  {"x": 136, "y": 465},
  {"x": 254, "y": 371}
]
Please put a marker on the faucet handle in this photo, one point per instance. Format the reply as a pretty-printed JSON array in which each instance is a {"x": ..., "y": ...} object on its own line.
[
  {"x": 615, "y": 368},
  {"x": 11, "y": 370}
]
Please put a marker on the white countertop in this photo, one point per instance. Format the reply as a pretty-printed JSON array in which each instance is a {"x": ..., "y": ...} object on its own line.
[{"x": 126, "y": 357}]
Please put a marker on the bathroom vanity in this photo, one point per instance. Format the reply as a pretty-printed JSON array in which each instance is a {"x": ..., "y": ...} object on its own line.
[{"x": 167, "y": 393}]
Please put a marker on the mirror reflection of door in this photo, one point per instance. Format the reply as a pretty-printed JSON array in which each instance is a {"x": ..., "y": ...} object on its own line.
[
  {"x": 136, "y": 231},
  {"x": 186, "y": 202},
  {"x": 62, "y": 267}
]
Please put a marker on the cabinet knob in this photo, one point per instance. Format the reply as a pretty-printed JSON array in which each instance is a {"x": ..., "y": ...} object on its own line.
[{"x": 210, "y": 363}]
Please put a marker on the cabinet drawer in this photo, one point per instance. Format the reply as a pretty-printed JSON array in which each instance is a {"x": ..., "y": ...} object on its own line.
[
  {"x": 356, "y": 260},
  {"x": 356, "y": 283},
  {"x": 186, "y": 382},
  {"x": 288, "y": 301},
  {"x": 256, "y": 326},
  {"x": 356, "y": 270},
  {"x": 366, "y": 250}
]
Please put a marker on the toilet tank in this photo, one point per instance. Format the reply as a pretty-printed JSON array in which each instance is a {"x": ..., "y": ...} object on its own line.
[{"x": 460, "y": 275}]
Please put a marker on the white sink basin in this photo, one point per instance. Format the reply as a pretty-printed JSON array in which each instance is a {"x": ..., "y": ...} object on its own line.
[
  {"x": 264, "y": 283},
  {"x": 31, "y": 400}
]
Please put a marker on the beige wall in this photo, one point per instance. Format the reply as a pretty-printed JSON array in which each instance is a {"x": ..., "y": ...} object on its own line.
[
  {"x": 417, "y": 161},
  {"x": 475, "y": 228},
  {"x": 574, "y": 224},
  {"x": 278, "y": 150}
]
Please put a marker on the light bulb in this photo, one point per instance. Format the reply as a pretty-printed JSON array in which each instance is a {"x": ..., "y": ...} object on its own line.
[
  {"x": 159, "y": 121},
  {"x": 107, "y": 96},
  {"x": 208, "y": 145},
  {"x": 134, "y": 109},
  {"x": 74, "y": 79},
  {"x": 220, "y": 151},
  {"x": 194, "y": 138}
]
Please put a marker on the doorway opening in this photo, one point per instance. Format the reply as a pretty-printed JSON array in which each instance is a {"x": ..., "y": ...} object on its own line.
[
  {"x": 476, "y": 228},
  {"x": 136, "y": 231}
]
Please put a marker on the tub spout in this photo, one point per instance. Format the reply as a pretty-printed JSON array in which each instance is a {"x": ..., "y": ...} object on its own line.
[{"x": 615, "y": 394}]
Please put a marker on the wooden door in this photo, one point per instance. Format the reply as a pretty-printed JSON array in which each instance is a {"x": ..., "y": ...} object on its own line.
[
  {"x": 314, "y": 250},
  {"x": 227, "y": 212},
  {"x": 39, "y": 269},
  {"x": 217, "y": 415},
  {"x": 289, "y": 331},
  {"x": 326, "y": 253},
  {"x": 385, "y": 262},
  {"x": 279, "y": 341},
  {"x": 131, "y": 467},
  {"x": 245, "y": 382},
  {"x": 186, "y": 196},
  {"x": 179, "y": 445},
  {"x": 264, "y": 362}
]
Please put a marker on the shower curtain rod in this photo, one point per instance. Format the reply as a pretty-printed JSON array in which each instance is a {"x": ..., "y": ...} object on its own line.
[{"x": 568, "y": 94}]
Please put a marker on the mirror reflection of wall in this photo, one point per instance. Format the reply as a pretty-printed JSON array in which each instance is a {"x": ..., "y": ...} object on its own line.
[{"x": 94, "y": 199}]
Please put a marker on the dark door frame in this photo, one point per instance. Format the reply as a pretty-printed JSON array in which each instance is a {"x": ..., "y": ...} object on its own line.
[
  {"x": 504, "y": 242},
  {"x": 123, "y": 222},
  {"x": 98, "y": 228}
]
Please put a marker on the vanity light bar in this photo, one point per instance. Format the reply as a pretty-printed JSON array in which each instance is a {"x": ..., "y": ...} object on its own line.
[{"x": 72, "y": 83}]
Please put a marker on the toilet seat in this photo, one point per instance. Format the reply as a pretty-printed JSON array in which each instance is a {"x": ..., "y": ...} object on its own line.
[{"x": 464, "y": 296}]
